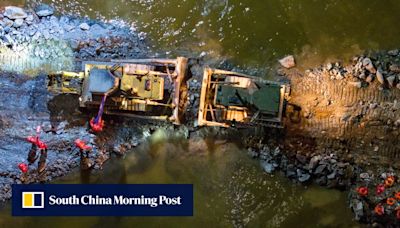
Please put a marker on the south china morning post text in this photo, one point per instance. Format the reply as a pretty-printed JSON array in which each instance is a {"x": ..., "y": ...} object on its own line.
[
  {"x": 116, "y": 200},
  {"x": 103, "y": 200}
]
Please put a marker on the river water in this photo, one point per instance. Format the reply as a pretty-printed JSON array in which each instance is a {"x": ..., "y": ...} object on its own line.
[
  {"x": 255, "y": 33},
  {"x": 252, "y": 33},
  {"x": 230, "y": 187}
]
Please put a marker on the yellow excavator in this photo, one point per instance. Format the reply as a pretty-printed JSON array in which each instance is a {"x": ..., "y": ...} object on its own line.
[
  {"x": 144, "y": 88},
  {"x": 157, "y": 89}
]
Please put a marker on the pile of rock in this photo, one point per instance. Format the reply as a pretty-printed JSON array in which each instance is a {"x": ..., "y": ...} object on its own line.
[
  {"x": 37, "y": 38},
  {"x": 364, "y": 70},
  {"x": 324, "y": 170}
]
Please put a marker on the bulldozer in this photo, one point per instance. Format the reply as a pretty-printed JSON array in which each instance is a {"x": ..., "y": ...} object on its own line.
[
  {"x": 142, "y": 88},
  {"x": 232, "y": 99}
]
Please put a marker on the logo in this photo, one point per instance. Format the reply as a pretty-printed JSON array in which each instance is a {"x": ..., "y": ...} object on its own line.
[
  {"x": 33, "y": 200},
  {"x": 102, "y": 200}
]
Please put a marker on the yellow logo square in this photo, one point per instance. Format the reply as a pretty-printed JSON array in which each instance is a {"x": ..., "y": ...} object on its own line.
[{"x": 32, "y": 199}]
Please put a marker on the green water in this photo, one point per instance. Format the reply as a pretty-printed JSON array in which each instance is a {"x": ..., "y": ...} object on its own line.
[
  {"x": 256, "y": 33},
  {"x": 230, "y": 189}
]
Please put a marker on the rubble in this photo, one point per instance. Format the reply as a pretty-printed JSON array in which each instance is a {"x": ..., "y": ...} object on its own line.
[
  {"x": 352, "y": 137},
  {"x": 84, "y": 26},
  {"x": 13, "y": 12},
  {"x": 47, "y": 42},
  {"x": 44, "y": 10},
  {"x": 288, "y": 62}
]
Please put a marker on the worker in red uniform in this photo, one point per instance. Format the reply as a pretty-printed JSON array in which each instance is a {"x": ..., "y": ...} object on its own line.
[
  {"x": 84, "y": 151},
  {"x": 97, "y": 126},
  {"x": 32, "y": 152},
  {"x": 97, "y": 123},
  {"x": 43, "y": 156},
  {"x": 32, "y": 156}
]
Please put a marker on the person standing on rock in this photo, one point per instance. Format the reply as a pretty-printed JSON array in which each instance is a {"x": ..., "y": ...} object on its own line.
[
  {"x": 32, "y": 152},
  {"x": 34, "y": 141},
  {"x": 32, "y": 155},
  {"x": 84, "y": 153},
  {"x": 43, "y": 156}
]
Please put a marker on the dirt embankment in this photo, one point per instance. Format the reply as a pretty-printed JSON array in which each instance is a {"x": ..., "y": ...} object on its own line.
[{"x": 347, "y": 132}]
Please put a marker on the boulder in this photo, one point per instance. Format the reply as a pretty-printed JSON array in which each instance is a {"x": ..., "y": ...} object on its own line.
[
  {"x": 394, "y": 68},
  {"x": 288, "y": 62},
  {"x": 320, "y": 169},
  {"x": 332, "y": 175},
  {"x": 84, "y": 26},
  {"x": 329, "y": 67},
  {"x": 18, "y": 23},
  {"x": 391, "y": 80},
  {"x": 393, "y": 52},
  {"x": 14, "y": 12},
  {"x": 380, "y": 77},
  {"x": 367, "y": 63},
  {"x": 69, "y": 28},
  {"x": 44, "y": 10},
  {"x": 277, "y": 151},
  {"x": 304, "y": 177},
  {"x": 29, "y": 20},
  {"x": 7, "y": 22},
  {"x": 370, "y": 78},
  {"x": 322, "y": 181},
  {"x": 314, "y": 162},
  {"x": 358, "y": 209},
  {"x": 268, "y": 167},
  {"x": 364, "y": 175},
  {"x": 301, "y": 158}
]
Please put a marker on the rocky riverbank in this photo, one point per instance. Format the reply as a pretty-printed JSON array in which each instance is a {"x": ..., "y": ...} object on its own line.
[
  {"x": 35, "y": 40},
  {"x": 346, "y": 135}
]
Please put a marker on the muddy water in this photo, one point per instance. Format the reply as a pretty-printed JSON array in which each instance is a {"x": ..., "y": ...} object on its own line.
[
  {"x": 255, "y": 33},
  {"x": 230, "y": 189}
]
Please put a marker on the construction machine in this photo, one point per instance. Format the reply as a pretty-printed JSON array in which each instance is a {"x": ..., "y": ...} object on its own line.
[
  {"x": 232, "y": 99},
  {"x": 144, "y": 88},
  {"x": 157, "y": 89}
]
